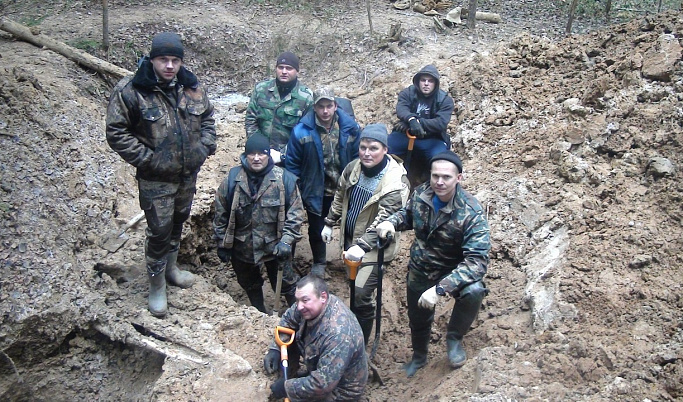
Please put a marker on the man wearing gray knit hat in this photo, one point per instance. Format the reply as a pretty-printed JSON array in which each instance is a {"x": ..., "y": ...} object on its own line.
[
  {"x": 160, "y": 120},
  {"x": 371, "y": 188}
]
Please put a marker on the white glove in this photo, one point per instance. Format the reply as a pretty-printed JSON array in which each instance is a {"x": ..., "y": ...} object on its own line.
[
  {"x": 326, "y": 234},
  {"x": 428, "y": 298},
  {"x": 385, "y": 228},
  {"x": 275, "y": 155},
  {"x": 354, "y": 253}
]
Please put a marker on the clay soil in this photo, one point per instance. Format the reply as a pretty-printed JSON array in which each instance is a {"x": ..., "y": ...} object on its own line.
[{"x": 572, "y": 144}]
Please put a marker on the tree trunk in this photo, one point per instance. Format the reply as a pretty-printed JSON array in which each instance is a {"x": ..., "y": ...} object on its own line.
[
  {"x": 472, "y": 14},
  {"x": 572, "y": 9},
  {"x": 367, "y": 5},
  {"x": 24, "y": 33},
  {"x": 608, "y": 8},
  {"x": 105, "y": 26}
]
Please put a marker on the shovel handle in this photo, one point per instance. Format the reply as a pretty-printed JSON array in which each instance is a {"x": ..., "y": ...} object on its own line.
[
  {"x": 411, "y": 140},
  {"x": 353, "y": 267}
]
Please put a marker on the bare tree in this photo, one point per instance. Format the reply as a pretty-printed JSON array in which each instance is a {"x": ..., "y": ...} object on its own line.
[
  {"x": 105, "y": 26},
  {"x": 572, "y": 9},
  {"x": 367, "y": 5},
  {"x": 608, "y": 8},
  {"x": 472, "y": 14}
]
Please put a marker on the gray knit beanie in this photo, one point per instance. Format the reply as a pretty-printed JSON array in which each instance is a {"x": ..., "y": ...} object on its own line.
[
  {"x": 167, "y": 44},
  {"x": 377, "y": 132}
]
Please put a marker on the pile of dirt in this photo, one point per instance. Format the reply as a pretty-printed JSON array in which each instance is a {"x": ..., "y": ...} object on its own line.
[{"x": 572, "y": 145}]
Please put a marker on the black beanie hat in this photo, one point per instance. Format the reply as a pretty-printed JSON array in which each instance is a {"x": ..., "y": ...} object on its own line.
[
  {"x": 289, "y": 59},
  {"x": 448, "y": 156},
  {"x": 257, "y": 143},
  {"x": 167, "y": 44}
]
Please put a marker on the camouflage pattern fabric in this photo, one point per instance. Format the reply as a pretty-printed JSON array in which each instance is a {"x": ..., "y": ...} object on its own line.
[
  {"x": 251, "y": 227},
  {"x": 274, "y": 117},
  {"x": 452, "y": 245},
  {"x": 334, "y": 353}
]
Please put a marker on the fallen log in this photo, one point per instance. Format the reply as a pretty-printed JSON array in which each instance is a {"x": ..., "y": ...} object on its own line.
[{"x": 24, "y": 33}]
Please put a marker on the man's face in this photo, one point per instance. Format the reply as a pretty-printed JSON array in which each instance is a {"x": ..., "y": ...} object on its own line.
[
  {"x": 444, "y": 177},
  {"x": 427, "y": 84},
  {"x": 308, "y": 303},
  {"x": 166, "y": 67},
  {"x": 285, "y": 73},
  {"x": 371, "y": 152},
  {"x": 257, "y": 161},
  {"x": 325, "y": 109}
]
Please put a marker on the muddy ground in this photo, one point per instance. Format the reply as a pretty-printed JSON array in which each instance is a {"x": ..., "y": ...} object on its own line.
[{"x": 572, "y": 144}]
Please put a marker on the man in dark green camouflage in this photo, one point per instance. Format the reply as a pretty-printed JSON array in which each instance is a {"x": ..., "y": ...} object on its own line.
[
  {"x": 450, "y": 255},
  {"x": 331, "y": 342},
  {"x": 258, "y": 219},
  {"x": 161, "y": 121},
  {"x": 276, "y": 105}
]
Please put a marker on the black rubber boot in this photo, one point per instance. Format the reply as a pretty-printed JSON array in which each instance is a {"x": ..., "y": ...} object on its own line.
[
  {"x": 176, "y": 276},
  {"x": 157, "y": 302},
  {"x": 319, "y": 251},
  {"x": 419, "y": 360},
  {"x": 256, "y": 299},
  {"x": 464, "y": 313},
  {"x": 291, "y": 299},
  {"x": 366, "y": 326}
]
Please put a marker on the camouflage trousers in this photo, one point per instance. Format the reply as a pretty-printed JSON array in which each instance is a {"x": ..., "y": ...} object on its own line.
[{"x": 167, "y": 206}]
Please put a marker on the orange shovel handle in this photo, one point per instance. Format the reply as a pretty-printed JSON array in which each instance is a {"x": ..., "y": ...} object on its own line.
[
  {"x": 353, "y": 268},
  {"x": 411, "y": 140}
]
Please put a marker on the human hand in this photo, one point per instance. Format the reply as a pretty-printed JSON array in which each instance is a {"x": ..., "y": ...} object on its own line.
[
  {"x": 276, "y": 156},
  {"x": 282, "y": 250},
  {"x": 385, "y": 229},
  {"x": 416, "y": 128},
  {"x": 278, "y": 388},
  {"x": 428, "y": 298},
  {"x": 271, "y": 363},
  {"x": 354, "y": 253},
  {"x": 224, "y": 254},
  {"x": 326, "y": 234},
  {"x": 400, "y": 127}
]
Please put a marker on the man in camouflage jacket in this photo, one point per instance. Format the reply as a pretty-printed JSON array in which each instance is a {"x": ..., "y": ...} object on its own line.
[
  {"x": 276, "y": 105},
  {"x": 258, "y": 219},
  {"x": 331, "y": 342},
  {"x": 450, "y": 255},
  {"x": 161, "y": 121}
]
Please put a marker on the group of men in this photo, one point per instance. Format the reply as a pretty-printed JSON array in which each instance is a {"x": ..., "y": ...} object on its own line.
[{"x": 306, "y": 158}]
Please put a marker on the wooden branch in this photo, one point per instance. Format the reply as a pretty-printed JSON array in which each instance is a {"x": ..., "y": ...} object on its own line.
[{"x": 24, "y": 33}]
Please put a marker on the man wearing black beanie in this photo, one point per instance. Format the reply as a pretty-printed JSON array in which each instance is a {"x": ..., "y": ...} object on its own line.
[
  {"x": 258, "y": 219},
  {"x": 276, "y": 105},
  {"x": 160, "y": 120}
]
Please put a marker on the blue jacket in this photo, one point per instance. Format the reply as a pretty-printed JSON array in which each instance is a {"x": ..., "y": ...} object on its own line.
[{"x": 305, "y": 156}]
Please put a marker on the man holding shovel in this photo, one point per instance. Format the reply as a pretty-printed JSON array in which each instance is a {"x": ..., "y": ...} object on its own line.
[
  {"x": 371, "y": 188},
  {"x": 450, "y": 255},
  {"x": 328, "y": 337},
  {"x": 258, "y": 219},
  {"x": 161, "y": 121}
]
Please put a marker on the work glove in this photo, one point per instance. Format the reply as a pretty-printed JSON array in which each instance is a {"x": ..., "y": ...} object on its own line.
[
  {"x": 400, "y": 127},
  {"x": 271, "y": 363},
  {"x": 326, "y": 234},
  {"x": 278, "y": 388},
  {"x": 276, "y": 156},
  {"x": 282, "y": 250},
  {"x": 385, "y": 229},
  {"x": 416, "y": 128},
  {"x": 224, "y": 254},
  {"x": 428, "y": 298},
  {"x": 354, "y": 253}
]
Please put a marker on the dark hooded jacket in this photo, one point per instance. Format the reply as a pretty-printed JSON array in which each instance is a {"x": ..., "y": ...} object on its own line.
[
  {"x": 436, "y": 116},
  {"x": 166, "y": 132}
]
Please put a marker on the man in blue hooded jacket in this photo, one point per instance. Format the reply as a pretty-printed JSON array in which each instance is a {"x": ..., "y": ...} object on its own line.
[{"x": 321, "y": 145}]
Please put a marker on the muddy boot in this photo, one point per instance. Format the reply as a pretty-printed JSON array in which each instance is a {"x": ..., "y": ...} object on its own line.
[
  {"x": 464, "y": 313},
  {"x": 366, "y": 326},
  {"x": 318, "y": 270},
  {"x": 419, "y": 360},
  {"x": 291, "y": 299},
  {"x": 256, "y": 299},
  {"x": 158, "y": 306},
  {"x": 175, "y": 276},
  {"x": 319, "y": 251}
]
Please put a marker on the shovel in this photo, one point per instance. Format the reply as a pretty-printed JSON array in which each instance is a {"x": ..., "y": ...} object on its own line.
[
  {"x": 353, "y": 272},
  {"x": 411, "y": 145},
  {"x": 113, "y": 240},
  {"x": 281, "y": 265},
  {"x": 284, "y": 358}
]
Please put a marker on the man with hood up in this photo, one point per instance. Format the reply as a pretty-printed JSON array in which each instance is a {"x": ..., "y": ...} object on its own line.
[
  {"x": 425, "y": 110},
  {"x": 161, "y": 121}
]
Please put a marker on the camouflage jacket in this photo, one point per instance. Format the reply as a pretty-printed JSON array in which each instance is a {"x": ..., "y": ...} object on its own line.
[
  {"x": 390, "y": 196},
  {"x": 166, "y": 133},
  {"x": 251, "y": 227},
  {"x": 274, "y": 117},
  {"x": 451, "y": 246},
  {"x": 334, "y": 351}
]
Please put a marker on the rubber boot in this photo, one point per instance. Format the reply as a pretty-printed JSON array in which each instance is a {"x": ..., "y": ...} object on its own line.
[
  {"x": 419, "y": 360},
  {"x": 319, "y": 251},
  {"x": 366, "y": 326},
  {"x": 256, "y": 299},
  {"x": 291, "y": 299},
  {"x": 157, "y": 302},
  {"x": 464, "y": 313},
  {"x": 176, "y": 276}
]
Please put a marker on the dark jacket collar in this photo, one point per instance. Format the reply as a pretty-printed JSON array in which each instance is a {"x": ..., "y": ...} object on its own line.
[{"x": 146, "y": 79}]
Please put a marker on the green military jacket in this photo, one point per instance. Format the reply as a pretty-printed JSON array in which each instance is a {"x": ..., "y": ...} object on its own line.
[{"x": 274, "y": 117}]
